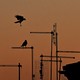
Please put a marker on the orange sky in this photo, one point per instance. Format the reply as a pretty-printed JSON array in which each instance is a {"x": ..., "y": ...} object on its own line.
[{"x": 40, "y": 15}]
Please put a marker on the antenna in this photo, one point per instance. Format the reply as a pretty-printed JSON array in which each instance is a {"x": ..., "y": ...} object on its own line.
[
  {"x": 19, "y": 67},
  {"x": 41, "y": 68},
  {"x": 54, "y": 30},
  {"x": 31, "y": 56},
  {"x": 68, "y": 51},
  {"x": 54, "y": 40},
  {"x": 44, "y": 60},
  {"x": 50, "y": 33},
  {"x": 68, "y": 57}
]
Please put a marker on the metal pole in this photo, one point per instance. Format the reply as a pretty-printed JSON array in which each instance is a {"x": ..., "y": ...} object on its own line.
[
  {"x": 52, "y": 61},
  {"x": 56, "y": 56},
  {"x": 32, "y": 63},
  {"x": 41, "y": 32},
  {"x": 68, "y": 51},
  {"x": 19, "y": 70},
  {"x": 60, "y": 69},
  {"x": 51, "y": 55},
  {"x": 41, "y": 68},
  {"x": 59, "y": 56}
]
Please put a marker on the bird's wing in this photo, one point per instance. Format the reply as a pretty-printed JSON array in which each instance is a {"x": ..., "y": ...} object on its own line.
[
  {"x": 24, "y": 43},
  {"x": 19, "y": 17}
]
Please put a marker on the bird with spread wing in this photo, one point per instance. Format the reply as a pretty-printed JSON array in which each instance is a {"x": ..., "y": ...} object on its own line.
[{"x": 20, "y": 19}]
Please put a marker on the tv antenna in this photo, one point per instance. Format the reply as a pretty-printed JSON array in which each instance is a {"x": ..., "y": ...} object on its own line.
[
  {"x": 60, "y": 61},
  {"x": 31, "y": 57},
  {"x": 52, "y": 34},
  {"x": 44, "y": 60},
  {"x": 54, "y": 40},
  {"x": 19, "y": 67}
]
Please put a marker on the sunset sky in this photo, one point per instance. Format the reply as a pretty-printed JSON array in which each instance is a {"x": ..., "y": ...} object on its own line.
[{"x": 40, "y": 15}]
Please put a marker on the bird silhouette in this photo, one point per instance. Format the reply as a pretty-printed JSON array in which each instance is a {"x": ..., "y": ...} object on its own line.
[
  {"x": 20, "y": 19},
  {"x": 24, "y": 43}
]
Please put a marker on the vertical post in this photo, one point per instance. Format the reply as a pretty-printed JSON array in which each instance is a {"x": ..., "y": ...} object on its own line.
[
  {"x": 56, "y": 56},
  {"x": 60, "y": 68},
  {"x": 32, "y": 63},
  {"x": 51, "y": 55},
  {"x": 56, "y": 44},
  {"x": 41, "y": 68},
  {"x": 42, "y": 65},
  {"x": 19, "y": 69}
]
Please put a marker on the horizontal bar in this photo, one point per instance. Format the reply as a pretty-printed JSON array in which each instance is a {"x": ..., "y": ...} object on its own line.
[
  {"x": 10, "y": 65},
  {"x": 69, "y": 51},
  {"x": 58, "y": 56},
  {"x": 41, "y": 32},
  {"x": 52, "y": 60},
  {"x": 22, "y": 47}
]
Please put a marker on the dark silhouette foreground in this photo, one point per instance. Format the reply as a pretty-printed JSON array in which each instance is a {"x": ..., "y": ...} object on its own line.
[{"x": 71, "y": 71}]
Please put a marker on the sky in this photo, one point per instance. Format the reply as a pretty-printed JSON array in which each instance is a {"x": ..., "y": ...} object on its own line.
[{"x": 40, "y": 15}]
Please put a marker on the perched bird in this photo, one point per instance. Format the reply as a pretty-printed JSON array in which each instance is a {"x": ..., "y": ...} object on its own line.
[
  {"x": 20, "y": 19},
  {"x": 24, "y": 43}
]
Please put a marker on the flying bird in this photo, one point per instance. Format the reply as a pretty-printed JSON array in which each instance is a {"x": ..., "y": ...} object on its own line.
[
  {"x": 20, "y": 19},
  {"x": 24, "y": 43}
]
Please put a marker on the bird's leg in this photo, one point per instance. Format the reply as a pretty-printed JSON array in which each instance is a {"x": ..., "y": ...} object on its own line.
[{"x": 20, "y": 24}]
